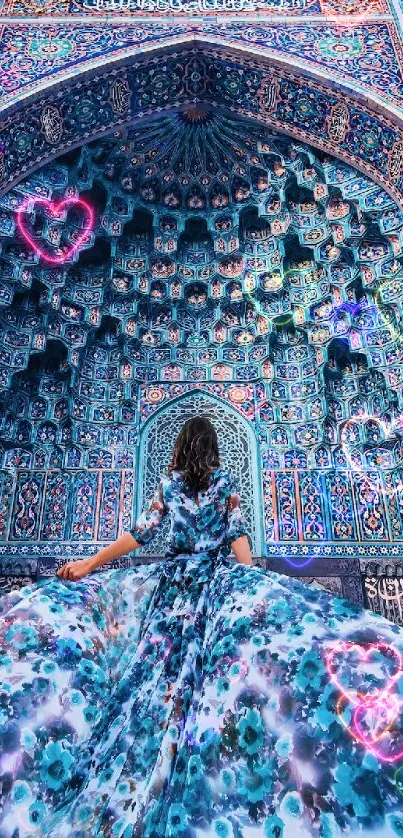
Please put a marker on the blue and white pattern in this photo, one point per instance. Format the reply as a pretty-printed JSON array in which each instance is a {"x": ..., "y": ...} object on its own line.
[
  {"x": 187, "y": 699},
  {"x": 201, "y": 523}
]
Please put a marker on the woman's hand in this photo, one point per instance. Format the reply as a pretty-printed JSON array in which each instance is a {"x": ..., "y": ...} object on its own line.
[{"x": 74, "y": 570}]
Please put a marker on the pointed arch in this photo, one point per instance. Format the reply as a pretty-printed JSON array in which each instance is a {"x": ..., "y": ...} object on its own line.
[
  {"x": 238, "y": 452},
  {"x": 296, "y": 100}
]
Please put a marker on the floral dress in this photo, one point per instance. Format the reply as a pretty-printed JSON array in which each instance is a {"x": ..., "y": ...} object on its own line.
[
  {"x": 207, "y": 522},
  {"x": 196, "y": 696}
]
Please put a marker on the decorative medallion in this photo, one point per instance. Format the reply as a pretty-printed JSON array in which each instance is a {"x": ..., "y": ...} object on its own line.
[
  {"x": 269, "y": 94},
  {"x": 119, "y": 96},
  {"x": 395, "y": 161},
  {"x": 239, "y": 394},
  {"x": 51, "y": 124},
  {"x": 153, "y": 395},
  {"x": 338, "y": 122}
]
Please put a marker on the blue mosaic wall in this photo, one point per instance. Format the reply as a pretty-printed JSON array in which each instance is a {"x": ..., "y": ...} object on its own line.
[
  {"x": 225, "y": 258},
  {"x": 97, "y": 505}
]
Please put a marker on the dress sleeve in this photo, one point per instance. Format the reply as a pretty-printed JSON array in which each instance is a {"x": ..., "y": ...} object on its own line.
[
  {"x": 151, "y": 518},
  {"x": 236, "y": 524}
]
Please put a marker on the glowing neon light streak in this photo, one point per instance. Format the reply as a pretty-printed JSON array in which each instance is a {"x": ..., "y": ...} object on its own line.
[
  {"x": 350, "y": 17},
  {"x": 302, "y": 564}
]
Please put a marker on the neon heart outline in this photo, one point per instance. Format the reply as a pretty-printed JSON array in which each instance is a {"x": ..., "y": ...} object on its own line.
[
  {"x": 376, "y": 752},
  {"x": 373, "y": 750},
  {"x": 357, "y": 725},
  {"x": 54, "y": 210},
  {"x": 345, "y": 645},
  {"x": 383, "y": 758},
  {"x": 354, "y": 733}
]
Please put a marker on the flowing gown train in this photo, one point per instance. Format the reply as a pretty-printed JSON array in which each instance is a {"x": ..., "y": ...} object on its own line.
[{"x": 197, "y": 697}]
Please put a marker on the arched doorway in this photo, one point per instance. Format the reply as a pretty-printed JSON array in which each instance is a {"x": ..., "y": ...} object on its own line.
[{"x": 238, "y": 450}]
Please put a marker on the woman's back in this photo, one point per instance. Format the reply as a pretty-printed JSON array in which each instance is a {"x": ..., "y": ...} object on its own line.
[{"x": 200, "y": 522}]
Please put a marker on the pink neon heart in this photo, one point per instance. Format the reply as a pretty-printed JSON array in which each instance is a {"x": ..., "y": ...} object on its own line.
[
  {"x": 55, "y": 209},
  {"x": 393, "y": 710},
  {"x": 358, "y": 734},
  {"x": 363, "y": 655},
  {"x": 387, "y": 707},
  {"x": 384, "y": 758}
]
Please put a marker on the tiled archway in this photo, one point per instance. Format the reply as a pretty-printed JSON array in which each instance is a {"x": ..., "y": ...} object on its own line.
[
  {"x": 238, "y": 453},
  {"x": 307, "y": 107}
]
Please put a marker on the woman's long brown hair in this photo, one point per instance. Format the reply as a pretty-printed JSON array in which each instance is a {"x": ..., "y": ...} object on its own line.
[{"x": 195, "y": 453}]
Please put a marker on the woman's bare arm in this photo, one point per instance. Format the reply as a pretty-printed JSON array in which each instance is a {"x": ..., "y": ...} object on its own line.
[
  {"x": 145, "y": 528},
  {"x": 124, "y": 544},
  {"x": 76, "y": 570},
  {"x": 241, "y": 550}
]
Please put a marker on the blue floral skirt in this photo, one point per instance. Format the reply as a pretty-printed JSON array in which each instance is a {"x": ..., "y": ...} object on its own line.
[{"x": 197, "y": 697}]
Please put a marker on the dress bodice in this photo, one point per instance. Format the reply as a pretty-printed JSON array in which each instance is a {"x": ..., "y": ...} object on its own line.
[{"x": 198, "y": 523}]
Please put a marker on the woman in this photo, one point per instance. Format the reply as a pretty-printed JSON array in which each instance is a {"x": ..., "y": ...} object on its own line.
[
  {"x": 202, "y": 502},
  {"x": 196, "y": 697}
]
